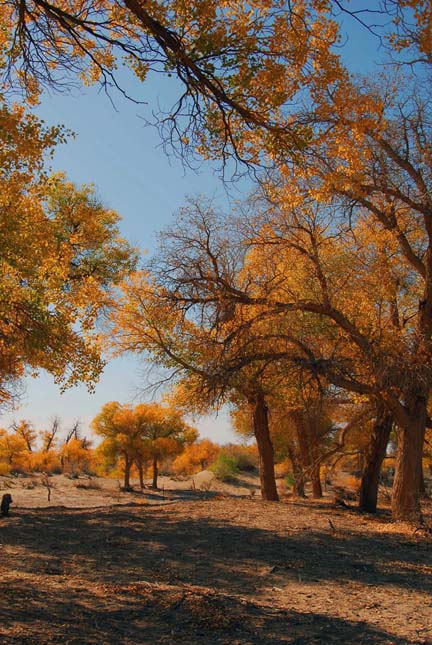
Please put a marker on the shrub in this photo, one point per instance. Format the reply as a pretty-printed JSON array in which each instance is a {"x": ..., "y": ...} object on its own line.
[
  {"x": 246, "y": 457},
  {"x": 225, "y": 467},
  {"x": 289, "y": 480}
]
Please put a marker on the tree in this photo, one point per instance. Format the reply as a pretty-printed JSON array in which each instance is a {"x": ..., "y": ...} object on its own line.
[
  {"x": 61, "y": 258},
  {"x": 185, "y": 325},
  {"x": 137, "y": 434},
  {"x": 76, "y": 456},
  {"x": 281, "y": 294},
  {"x": 116, "y": 424},
  {"x": 49, "y": 437},
  {"x": 196, "y": 457},
  {"x": 163, "y": 432},
  {"x": 386, "y": 178},
  {"x": 375, "y": 454},
  {"x": 13, "y": 451},
  {"x": 240, "y": 66},
  {"x": 25, "y": 430}
]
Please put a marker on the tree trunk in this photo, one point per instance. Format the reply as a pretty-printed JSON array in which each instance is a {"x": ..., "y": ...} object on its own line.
[
  {"x": 314, "y": 453},
  {"x": 265, "y": 448},
  {"x": 128, "y": 465},
  {"x": 140, "y": 468},
  {"x": 309, "y": 450},
  {"x": 316, "y": 482},
  {"x": 298, "y": 474},
  {"x": 423, "y": 491},
  {"x": 406, "y": 487},
  {"x": 155, "y": 473},
  {"x": 375, "y": 454}
]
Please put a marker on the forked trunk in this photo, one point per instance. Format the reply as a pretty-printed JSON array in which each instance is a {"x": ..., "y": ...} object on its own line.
[
  {"x": 375, "y": 454},
  {"x": 155, "y": 473},
  {"x": 265, "y": 448},
  {"x": 406, "y": 487}
]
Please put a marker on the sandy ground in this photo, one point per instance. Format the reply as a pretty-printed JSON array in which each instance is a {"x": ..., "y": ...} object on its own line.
[
  {"x": 89, "y": 492},
  {"x": 211, "y": 568}
]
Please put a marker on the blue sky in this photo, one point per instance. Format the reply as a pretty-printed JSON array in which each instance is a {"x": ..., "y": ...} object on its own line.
[{"x": 124, "y": 159}]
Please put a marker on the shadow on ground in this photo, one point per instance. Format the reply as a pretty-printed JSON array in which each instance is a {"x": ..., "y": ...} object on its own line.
[
  {"x": 113, "y": 614},
  {"x": 159, "y": 574}
]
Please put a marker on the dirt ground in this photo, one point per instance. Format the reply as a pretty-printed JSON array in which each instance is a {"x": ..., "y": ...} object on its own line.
[{"x": 203, "y": 566}]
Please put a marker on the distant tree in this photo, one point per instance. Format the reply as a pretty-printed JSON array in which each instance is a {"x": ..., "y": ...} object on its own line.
[
  {"x": 163, "y": 431},
  {"x": 49, "y": 437},
  {"x": 76, "y": 456},
  {"x": 13, "y": 451},
  {"x": 148, "y": 431},
  {"x": 121, "y": 440},
  {"x": 196, "y": 457},
  {"x": 26, "y": 431}
]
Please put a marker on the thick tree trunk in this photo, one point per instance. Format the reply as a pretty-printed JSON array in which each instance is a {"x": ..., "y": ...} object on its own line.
[
  {"x": 423, "y": 491},
  {"x": 265, "y": 448},
  {"x": 155, "y": 473},
  {"x": 406, "y": 487},
  {"x": 316, "y": 482},
  {"x": 128, "y": 465},
  {"x": 375, "y": 454}
]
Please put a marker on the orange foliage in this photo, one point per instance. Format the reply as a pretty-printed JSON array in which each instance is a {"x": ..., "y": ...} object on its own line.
[{"x": 196, "y": 457}]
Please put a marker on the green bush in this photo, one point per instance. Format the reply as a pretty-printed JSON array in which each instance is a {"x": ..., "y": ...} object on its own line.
[
  {"x": 246, "y": 457},
  {"x": 289, "y": 480},
  {"x": 225, "y": 467}
]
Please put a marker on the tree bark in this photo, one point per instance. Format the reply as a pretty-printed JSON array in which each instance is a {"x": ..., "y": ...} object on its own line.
[
  {"x": 423, "y": 491},
  {"x": 265, "y": 448},
  {"x": 128, "y": 465},
  {"x": 313, "y": 436},
  {"x": 316, "y": 482},
  {"x": 406, "y": 487},
  {"x": 140, "y": 468},
  {"x": 309, "y": 450},
  {"x": 155, "y": 473},
  {"x": 298, "y": 474},
  {"x": 375, "y": 454}
]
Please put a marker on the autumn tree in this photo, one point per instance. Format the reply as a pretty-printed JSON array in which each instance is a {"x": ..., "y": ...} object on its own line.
[
  {"x": 76, "y": 454},
  {"x": 163, "y": 431},
  {"x": 190, "y": 333},
  {"x": 121, "y": 439},
  {"x": 196, "y": 457},
  {"x": 13, "y": 451},
  {"x": 148, "y": 431},
  {"x": 61, "y": 257},
  {"x": 239, "y": 66},
  {"x": 285, "y": 295},
  {"x": 26, "y": 431},
  {"x": 380, "y": 170}
]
